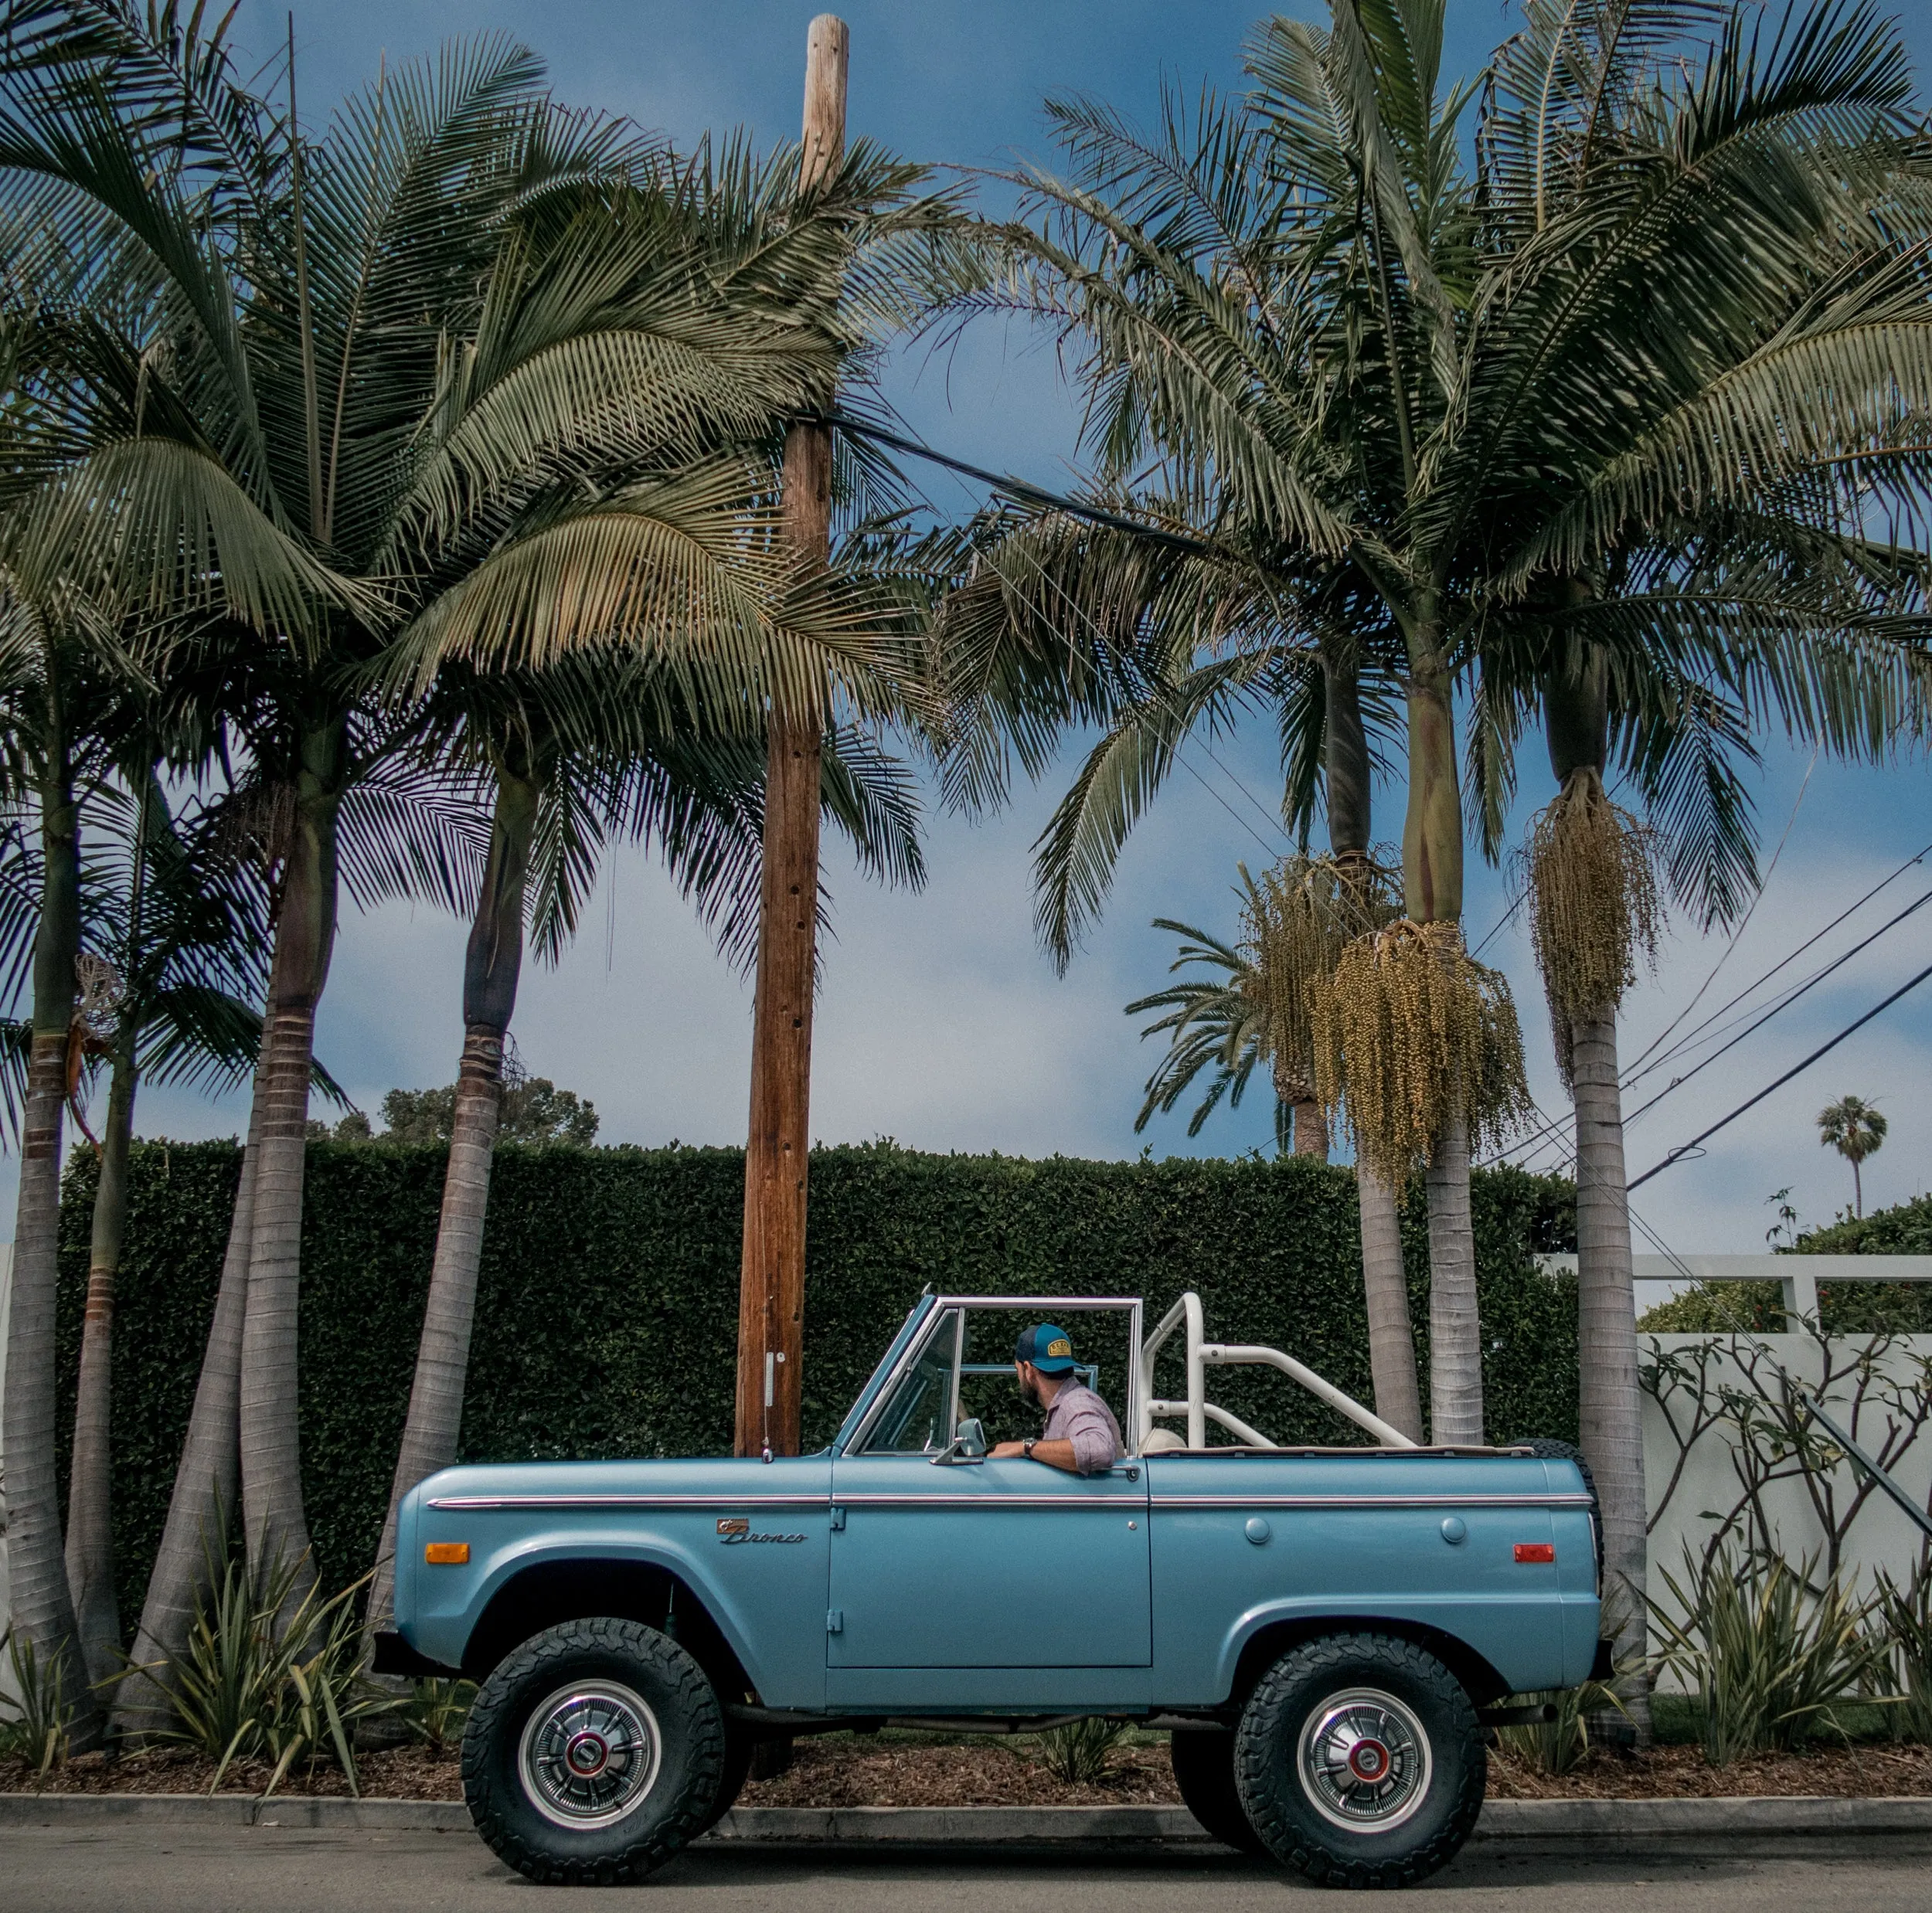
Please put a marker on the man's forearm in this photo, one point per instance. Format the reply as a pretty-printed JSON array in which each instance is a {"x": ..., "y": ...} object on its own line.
[{"x": 1056, "y": 1454}]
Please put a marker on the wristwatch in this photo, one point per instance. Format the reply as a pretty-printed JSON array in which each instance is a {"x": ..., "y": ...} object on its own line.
[{"x": 1026, "y": 1449}]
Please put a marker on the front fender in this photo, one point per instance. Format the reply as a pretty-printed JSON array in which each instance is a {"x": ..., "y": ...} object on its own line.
[{"x": 758, "y": 1597}]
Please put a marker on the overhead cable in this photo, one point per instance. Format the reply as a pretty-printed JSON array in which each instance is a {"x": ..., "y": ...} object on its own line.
[{"x": 1797, "y": 1069}]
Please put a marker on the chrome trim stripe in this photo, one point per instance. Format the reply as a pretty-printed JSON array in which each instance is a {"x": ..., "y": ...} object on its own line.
[
  {"x": 1371, "y": 1501},
  {"x": 493, "y": 1503},
  {"x": 1131, "y": 1497},
  {"x": 498, "y": 1503}
]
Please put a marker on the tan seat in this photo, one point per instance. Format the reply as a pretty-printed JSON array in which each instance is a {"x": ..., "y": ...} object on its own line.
[{"x": 1163, "y": 1441}]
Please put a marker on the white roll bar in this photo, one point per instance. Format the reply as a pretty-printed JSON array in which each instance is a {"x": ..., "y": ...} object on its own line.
[{"x": 1202, "y": 1354}]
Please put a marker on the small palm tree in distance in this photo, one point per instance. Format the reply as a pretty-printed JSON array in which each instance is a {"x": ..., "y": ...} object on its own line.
[{"x": 1855, "y": 1129}]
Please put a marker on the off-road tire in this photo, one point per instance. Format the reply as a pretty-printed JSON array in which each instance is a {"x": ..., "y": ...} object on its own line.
[
  {"x": 691, "y": 1753},
  {"x": 1279, "y": 1802},
  {"x": 732, "y": 1775},
  {"x": 1203, "y": 1760}
]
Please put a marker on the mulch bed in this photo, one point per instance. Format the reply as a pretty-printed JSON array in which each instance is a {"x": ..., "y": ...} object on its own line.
[
  {"x": 398, "y": 1773},
  {"x": 1682, "y": 1773},
  {"x": 838, "y": 1772},
  {"x": 842, "y": 1771}
]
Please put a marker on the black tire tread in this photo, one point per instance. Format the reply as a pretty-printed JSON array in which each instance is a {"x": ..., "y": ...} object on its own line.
[
  {"x": 1282, "y": 1838},
  {"x": 1203, "y": 1763},
  {"x": 607, "y": 1635}
]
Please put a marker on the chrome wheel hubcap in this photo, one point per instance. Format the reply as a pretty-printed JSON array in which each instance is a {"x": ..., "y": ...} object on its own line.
[
  {"x": 589, "y": 1754},
  {"x": 1364, "y": 1762}
]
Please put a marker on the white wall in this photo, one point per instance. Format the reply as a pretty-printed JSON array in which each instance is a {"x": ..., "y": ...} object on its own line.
[{"x": 1709, "y": 1484}]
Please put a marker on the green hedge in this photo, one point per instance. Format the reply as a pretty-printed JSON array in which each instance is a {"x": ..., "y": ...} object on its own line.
[
  {"x": 1846, "y": 1308},
  {"x": 608, "y": 1310}
]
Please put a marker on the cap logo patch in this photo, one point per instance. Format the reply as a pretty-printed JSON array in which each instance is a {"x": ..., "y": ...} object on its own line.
[{"x": 1060, "y": 1345}]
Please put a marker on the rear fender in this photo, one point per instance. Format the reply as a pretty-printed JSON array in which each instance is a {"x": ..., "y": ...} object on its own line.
[{"x": 1261, "y": 1636}]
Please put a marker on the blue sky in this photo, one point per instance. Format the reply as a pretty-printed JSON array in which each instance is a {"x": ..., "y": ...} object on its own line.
[{"x": 941, "y": 1023}]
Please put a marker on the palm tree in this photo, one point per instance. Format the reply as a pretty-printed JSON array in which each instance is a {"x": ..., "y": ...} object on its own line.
[
  {"x": 310, "y": 295},
  {"x": 1303, "y": 311},
  {"x": 1856, "y": 1130},
  {"x": 179, "y": 970}
]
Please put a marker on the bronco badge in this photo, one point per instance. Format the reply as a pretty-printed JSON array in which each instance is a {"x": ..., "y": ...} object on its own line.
[{"x": 735, "y": 1528}]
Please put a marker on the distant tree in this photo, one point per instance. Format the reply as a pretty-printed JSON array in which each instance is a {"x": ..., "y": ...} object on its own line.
[
  {"x": 534, "y": 1110},
  {"x": 1855, "y": 1129}
]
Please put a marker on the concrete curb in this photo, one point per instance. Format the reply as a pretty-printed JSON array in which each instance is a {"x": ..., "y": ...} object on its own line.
[{"x": 1739, "y": 1818}]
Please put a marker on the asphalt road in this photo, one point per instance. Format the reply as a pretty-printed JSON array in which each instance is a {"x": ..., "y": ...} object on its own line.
[{"x": 147, "y": 1869}]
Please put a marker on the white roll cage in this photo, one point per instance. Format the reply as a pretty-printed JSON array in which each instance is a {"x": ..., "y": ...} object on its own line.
[{"x": 1201, "y": 1355}]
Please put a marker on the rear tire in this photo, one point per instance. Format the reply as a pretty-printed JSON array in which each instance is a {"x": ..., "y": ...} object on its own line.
[
  {"x": 1204, "y": 1770},
  {"x": 1359, "y": 1761},
  {"x": 592, "y": 1753}
]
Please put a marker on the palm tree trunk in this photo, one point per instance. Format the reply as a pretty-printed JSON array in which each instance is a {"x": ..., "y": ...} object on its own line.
[
  {"x": 42, "y": 1603},
  {"x": 491, "y": 969},
  {"x": 1455, "y": 1329},
  {"x": 1610, "y": 1409},
  {"x": 194, "y": 1540},
  {"x": 1432, "y": 888},
  {"x": 1348, "y": 778},
  {"x": 272, "y": 1517},
  {"x": 91, "y": 1546},
  {"x": 1385, "y": 1279},
  {"x": 1310, "y": 1130}
]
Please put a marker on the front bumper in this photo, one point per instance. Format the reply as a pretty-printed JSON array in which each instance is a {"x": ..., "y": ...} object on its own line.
[{"x": 394, "y": 1655}]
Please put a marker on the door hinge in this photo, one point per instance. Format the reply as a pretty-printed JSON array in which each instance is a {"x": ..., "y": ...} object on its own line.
[
  {"x": 837, "y": 1520},
  {"x": 836, "y": 1621}
]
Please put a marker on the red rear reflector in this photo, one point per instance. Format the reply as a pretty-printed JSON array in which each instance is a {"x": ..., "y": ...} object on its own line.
[
  {"x": 1535, "y": 1550},
  {"x": 447, "y": 1554}
]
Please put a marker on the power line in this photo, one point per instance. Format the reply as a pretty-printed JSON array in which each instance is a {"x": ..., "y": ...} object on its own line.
[
  {"x": 1552, "y": 1128},
  {"x": 1778, "y": 1008},
  {"x": 1678, "y": 1154},
  {"x": 1737, "y": 934},
  {"x": 1019, "y": 489},
  {"x": 1637, "y": 1073}
]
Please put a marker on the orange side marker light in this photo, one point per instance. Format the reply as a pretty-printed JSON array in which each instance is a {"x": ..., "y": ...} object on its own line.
[
  {"x": 447, "y": 1554},
  {"x": 1535, "y": 1550}
]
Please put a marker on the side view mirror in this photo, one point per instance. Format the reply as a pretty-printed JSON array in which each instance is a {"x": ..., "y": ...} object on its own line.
[{"x": 969, "y": 1445}]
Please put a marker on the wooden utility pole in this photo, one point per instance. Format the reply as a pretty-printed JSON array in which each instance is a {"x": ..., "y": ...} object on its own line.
[{"x": 771, "y": 1293}]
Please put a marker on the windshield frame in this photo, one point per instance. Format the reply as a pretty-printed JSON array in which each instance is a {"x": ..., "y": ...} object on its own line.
[{"x": 914, "y": 1339}]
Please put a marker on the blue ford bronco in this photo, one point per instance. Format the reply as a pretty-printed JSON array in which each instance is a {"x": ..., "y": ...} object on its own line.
[{"x": 1326, "y": 1632}]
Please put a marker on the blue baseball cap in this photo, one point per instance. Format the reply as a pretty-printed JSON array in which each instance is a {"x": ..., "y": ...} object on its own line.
[{"x": 1050, "y": 1349}]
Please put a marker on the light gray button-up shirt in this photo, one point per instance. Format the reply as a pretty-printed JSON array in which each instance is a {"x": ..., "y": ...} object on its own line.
[{"x": 1079, "y": 1416}]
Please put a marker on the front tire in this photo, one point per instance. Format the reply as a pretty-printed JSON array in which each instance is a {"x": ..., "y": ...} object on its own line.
[
  {"x": 593, "y": 1754},
  {"x": 1359, "y": 1761}
]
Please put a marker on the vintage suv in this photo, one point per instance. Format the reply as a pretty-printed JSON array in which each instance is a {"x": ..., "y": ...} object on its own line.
[{"x": 1325, "y": 1630}]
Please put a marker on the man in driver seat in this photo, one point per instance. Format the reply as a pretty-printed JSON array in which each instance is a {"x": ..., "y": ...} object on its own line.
[{"x": 1081, "y": 1435}]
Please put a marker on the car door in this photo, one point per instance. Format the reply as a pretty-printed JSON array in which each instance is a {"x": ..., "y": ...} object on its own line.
[{"x": 978, "y": 1564}]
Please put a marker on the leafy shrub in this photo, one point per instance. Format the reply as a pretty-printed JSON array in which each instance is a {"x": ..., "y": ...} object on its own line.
[
  {"x": 607, "y": 1305},
  {"x": 37, "y": 1730},
  {"x": 253, "y": 1685},
  {"x": 1905, "y": 1618},
  {"x": 1076, "y": 1755},
  {"x": 1771, "y": 1661},
  {"x": 435, "y": 1711}
]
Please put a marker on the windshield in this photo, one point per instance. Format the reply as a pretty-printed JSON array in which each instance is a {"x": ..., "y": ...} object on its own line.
[{"x": 917, "y": 1419}]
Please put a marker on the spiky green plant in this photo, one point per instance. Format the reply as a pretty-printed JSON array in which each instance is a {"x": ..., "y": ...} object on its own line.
[
  {"x": 1076, "y": 1755},
  {"x": 1771, "y": 1660}
]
